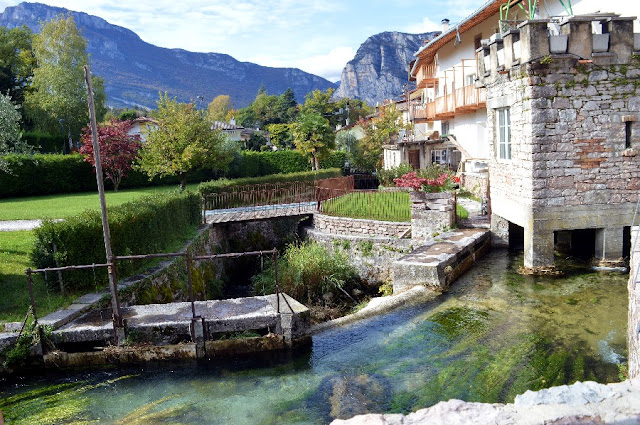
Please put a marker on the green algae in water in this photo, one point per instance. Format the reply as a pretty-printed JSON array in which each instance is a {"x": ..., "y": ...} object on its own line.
[{"x": 493, "y": 336}]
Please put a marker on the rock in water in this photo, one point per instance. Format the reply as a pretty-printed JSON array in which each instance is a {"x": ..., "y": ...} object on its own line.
[{"x": 347, "y": 396}]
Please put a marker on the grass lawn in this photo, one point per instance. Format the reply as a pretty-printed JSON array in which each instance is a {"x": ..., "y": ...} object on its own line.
[
  {"x": 385, "y": 206},
  {"x": 68, "y": 204},
  {"x": 14, "y": 259}
]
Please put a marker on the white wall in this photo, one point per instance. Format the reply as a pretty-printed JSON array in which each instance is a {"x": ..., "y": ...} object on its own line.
[{"x": 470, "y": 131}]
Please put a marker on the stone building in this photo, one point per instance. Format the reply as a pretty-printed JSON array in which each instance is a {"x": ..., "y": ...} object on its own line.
[{"x": 563, "y": 133}]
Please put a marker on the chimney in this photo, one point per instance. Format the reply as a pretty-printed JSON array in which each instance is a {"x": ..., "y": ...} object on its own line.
[{"x": 445, "y": 25}]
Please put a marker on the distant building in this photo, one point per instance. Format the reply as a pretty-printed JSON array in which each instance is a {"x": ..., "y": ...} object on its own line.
[{"x": 142, "y": 126}]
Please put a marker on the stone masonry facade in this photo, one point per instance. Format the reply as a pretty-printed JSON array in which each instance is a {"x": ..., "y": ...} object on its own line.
[
  {"x": 574, "y": 132},
  {"x": 358, "y": 227}
]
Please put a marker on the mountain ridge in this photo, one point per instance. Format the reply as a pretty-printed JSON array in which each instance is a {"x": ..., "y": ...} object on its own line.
[
  {"x": 378, "y": 71},
  {"x": 136, "y": 71}
]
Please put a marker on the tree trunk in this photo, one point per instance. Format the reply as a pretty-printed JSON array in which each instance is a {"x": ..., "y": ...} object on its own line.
[{"x": 183, "y": 181}]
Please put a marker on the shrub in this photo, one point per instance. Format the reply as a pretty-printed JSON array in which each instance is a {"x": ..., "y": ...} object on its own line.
[
  {"x": 44, "y": 142},
  {"x": 222, "y": 185},
  {"x": 387, "y": 177},
  {"x": 42, "y": 174},
  {"x": 442, "y": 183},
  {"x": 147, "y": 225},
  {"x": 254, "y": 164},
  {"x": 307, "y": 271}
]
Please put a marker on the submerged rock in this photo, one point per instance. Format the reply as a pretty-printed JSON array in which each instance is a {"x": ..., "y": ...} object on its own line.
[{"x": 346, "y": 396}]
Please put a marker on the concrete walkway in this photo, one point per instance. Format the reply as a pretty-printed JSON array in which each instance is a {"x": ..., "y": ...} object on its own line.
[{"x": 163, "y": 324}]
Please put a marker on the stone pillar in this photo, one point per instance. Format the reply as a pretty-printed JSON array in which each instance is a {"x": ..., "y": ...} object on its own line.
[
  {"x": 579, "y": 32},
  {"x": 534, "y": 40},
  {"x": 538, "y": 248},
  {"x": 633, "y": 338},
  {"x": 499, "y": 232},
  {"x": 609, "y": 244},
  {"x": 621, "y": 38}
]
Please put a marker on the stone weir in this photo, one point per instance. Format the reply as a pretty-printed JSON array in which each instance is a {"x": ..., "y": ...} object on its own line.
[
  {"x": 438, "y": 262},
  {"x": 167, "y": 331}
]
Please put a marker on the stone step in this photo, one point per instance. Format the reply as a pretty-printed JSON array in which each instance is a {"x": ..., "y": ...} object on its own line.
[{"x": 440, "y": 261}]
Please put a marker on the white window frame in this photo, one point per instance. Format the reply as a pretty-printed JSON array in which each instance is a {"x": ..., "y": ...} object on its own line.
[
  {"x": 439, "y": 156},
  {"x": 503, "y": 121}
]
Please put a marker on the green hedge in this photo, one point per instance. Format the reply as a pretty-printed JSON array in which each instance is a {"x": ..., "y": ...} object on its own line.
[
  {"x": 46, "y": 174},
  {"x": 255, "y": 164},
  {"x": 42, "y": 174},
  {"x": 147, "y": 225},
  {"x": 223, "y": 185},
  {"x": 45, "y": 142}
]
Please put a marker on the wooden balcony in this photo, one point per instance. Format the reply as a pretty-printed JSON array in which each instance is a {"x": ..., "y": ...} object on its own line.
[
  {"x": 426, "y": 76},
  {"x": 463, "y": 100}
]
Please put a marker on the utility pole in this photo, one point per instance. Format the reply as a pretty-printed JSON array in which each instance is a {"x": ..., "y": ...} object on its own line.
[{"x": 118, "y": 325}]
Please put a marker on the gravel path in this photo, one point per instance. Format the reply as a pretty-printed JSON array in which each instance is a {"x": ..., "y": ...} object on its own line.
[{"x": 13, "y": 225}]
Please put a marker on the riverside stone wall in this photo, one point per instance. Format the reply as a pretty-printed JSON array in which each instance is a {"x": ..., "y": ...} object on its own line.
[
  {"x": 574, "y": 132},
  {"x": 633, "y": 339},
  {"x": 358, "y": 227}
]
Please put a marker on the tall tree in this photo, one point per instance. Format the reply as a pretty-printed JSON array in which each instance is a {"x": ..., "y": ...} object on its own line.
[
  {"x": 219, "y": 108},
  {"x": 286, "y": 106},
  {"x": 377, "y": 132},
  {"x": 57, "y": 99},
  {"x": 118, "y": 149},
  {"x": 10, "y": 136},
  {"x": 313, "y": 136},
  {"x": 16, "y": 62},
  {"x": 281, "y": 135},
  {"x": 183, "y": 141}
]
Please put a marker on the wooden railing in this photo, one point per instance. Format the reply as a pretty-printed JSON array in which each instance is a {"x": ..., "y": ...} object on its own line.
[
  {"x": 426, "y": 76},
  {"x": 465, "y": 99}
]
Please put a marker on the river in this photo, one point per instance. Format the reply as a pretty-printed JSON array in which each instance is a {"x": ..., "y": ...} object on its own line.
[{"x": 494, "y": 335}]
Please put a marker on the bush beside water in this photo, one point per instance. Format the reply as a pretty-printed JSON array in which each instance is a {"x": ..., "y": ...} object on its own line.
[
  {"x": 148, "y": 225},
  {"x": 310, "y": 274}
]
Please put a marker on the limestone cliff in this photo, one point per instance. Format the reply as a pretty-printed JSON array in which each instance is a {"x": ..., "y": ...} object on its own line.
[{"x": 379, "y": 69}]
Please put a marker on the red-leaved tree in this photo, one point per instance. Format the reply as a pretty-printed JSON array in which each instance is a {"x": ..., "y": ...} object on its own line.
[{"x": 118, "y": 149}]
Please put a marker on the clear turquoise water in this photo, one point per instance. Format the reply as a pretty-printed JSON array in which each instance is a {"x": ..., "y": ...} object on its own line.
[{"x": 494, "y": 335}]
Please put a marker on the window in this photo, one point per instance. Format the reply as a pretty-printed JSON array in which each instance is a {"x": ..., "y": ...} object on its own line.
[
  {"x": 504, "y": 133},
  {"x": 439, "y": 156},
  {"x": 627, "y": 134},
  {"x": 444, "y": 127}
]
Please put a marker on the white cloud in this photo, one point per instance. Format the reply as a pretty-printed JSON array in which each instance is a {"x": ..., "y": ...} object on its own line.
[{"x": 425, "y": 26}]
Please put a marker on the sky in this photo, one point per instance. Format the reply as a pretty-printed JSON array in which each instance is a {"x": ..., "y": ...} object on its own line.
[{"x": 317, "y": 36}]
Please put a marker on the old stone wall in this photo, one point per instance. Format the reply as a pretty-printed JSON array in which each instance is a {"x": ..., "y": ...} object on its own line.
[
  {"x": 167, "y": 282},
  {"x": 633, "y": 340},
  {"x": 358, "y": 227},
  {"x": 431, "y": 214},
  {"x": 476, "y": 183},
  {"x": 372, "y": 256},
  {"x": 574, "y": 131}
]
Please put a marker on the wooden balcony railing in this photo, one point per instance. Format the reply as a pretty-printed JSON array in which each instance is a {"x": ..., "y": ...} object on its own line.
[
  {"x": 426, "y": 76},
  {"x": 462, "y": 100}
]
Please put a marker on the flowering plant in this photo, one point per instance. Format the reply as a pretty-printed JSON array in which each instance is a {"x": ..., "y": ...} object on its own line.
[{"x": 444, "y": 182}]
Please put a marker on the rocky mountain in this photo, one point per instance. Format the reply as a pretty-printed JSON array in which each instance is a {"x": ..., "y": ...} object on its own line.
[
  {"x": 135, "y": 71},
  {"x": 379, "y": 69}
]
